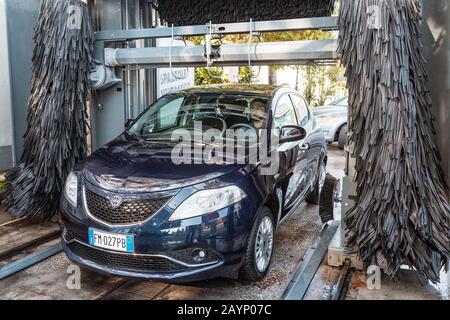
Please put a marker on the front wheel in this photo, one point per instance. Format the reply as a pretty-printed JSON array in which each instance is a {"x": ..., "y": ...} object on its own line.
[
  {"x": 342, "y": 139},
  {"x": 258, "y": 255}
]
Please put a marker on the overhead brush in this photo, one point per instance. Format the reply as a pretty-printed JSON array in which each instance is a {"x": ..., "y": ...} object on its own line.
[{"x": 56, "y": 133}]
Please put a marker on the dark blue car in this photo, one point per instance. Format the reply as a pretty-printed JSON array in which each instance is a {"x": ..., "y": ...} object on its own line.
[{"x": 133, "y": 209}]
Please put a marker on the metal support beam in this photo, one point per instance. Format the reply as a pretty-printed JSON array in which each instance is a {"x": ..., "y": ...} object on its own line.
[
  {"x": 267, "y": 53},
  {"x": 325, "y": 23}
]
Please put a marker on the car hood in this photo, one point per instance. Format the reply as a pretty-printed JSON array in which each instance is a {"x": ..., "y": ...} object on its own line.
[{"x": 127, "y": 163}]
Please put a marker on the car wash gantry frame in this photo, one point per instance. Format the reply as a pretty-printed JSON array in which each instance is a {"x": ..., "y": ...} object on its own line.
[{"x": 262, "y": 53}]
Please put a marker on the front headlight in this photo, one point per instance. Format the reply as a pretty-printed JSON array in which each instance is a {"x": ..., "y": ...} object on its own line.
[
  {"x": 71, "y": 189},
  {"x": 207, "y": 201}
]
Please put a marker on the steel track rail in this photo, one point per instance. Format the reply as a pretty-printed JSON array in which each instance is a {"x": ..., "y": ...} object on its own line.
[
  {"x": 29, "y": 261},
  {"x": 29, "y": 245},
  {"x": 307, "y": 269},
  {"x": 342, "y": 283}
]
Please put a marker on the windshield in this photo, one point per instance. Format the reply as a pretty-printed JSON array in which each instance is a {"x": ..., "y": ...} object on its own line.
[
  {"x": 341, "y": 102},
  {"x": 212, "y": 110}
]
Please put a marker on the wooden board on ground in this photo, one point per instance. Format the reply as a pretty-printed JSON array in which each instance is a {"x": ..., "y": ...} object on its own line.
[
  {"x": 138, "y": 290},
  {"x": 14, "y": 235},
  {"x": 4, "y": 216}
]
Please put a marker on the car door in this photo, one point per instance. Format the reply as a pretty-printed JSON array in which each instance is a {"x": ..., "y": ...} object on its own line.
[
  {"x": 311, "y": 147},
  {"x": 292, "y": 158}
]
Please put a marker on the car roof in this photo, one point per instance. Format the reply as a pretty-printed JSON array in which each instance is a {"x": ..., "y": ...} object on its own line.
[{"x": 257, "y": 89}]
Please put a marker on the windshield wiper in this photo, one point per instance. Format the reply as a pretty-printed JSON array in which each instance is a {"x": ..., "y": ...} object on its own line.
[
  {"x": 135, "y": 136},
  {"x": 159, "y": 140},
  {"x": 199, "y": 141}
]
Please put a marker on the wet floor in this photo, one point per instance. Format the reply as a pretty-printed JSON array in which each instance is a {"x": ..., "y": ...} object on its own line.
[{"x": 407, "y": 288}]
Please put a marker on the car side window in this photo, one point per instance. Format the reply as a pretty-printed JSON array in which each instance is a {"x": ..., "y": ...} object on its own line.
[
  {"x": 169, "y": 113},
  {"x": 301, "y": 109},
  {"x": 284, "y": 113}
]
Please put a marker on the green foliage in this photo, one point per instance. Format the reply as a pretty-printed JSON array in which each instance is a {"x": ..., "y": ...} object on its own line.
[
  {"x": 297, "y": 35},
  {"x": 212, "y": 75},
  {"x": 245, "y": 75}
]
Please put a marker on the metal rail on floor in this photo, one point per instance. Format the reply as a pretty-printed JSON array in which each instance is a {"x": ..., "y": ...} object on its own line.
[
  {"x": 343, "y": 282},
  {"x": 29, "y": 245},
  {"x": 306, "y": 271},
  {"x": 29, "y": 261}
]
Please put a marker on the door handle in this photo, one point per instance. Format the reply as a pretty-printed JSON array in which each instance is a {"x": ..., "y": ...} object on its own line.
[{"x": 305, "y": 147}]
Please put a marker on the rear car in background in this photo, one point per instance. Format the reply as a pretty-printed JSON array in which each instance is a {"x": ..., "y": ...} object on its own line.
[{"x": 333, "y": 119}]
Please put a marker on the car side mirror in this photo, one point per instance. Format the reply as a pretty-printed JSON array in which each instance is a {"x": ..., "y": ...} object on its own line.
[
  {"x": 292, "y": 133},
  {"x": 128, "y": 123}
]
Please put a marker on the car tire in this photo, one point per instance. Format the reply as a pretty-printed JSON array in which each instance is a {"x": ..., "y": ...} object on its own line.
[
  {"x": 314, "y": 196},
  {"x": 342, "y": 140},
  {"x": 250, "y": 270},
  {"x": 329, "y": 193}
]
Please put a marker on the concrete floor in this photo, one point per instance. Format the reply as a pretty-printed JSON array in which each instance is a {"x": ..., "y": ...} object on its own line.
[{"x": 407, "y": 288}]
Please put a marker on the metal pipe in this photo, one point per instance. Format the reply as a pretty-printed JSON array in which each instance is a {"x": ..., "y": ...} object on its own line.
[
  {"x": 325, "y": 23},
  {"x": 293, "y": 52}
]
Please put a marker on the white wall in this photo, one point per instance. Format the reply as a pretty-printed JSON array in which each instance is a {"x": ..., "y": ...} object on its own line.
[{"x": 5, "y": 89}]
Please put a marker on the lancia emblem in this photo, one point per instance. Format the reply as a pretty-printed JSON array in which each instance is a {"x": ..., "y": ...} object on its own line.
[{"x": 115, "y": 201}]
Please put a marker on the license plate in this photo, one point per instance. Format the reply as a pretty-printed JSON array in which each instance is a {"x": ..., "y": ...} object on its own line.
[{"x": 111, "y": 241}]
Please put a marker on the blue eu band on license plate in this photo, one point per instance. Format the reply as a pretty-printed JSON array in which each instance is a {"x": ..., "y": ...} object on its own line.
[{"x": 111, "y": 241}]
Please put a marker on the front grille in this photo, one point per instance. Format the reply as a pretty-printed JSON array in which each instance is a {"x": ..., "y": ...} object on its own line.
[
  {"x": 129, "y": 212},
  {"x": 125, "y": 262}
]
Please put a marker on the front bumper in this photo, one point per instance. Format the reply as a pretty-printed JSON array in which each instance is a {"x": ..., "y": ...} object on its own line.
[
  {"x": 223, "y": 235},
  {"x": 189, "y": 274}
]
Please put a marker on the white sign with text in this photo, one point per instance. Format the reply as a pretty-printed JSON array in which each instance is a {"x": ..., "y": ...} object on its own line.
[{"x": 177, "y": 79}]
